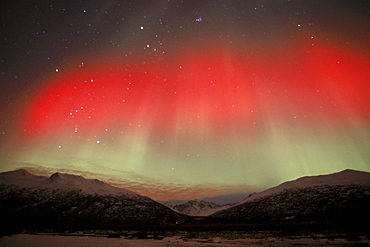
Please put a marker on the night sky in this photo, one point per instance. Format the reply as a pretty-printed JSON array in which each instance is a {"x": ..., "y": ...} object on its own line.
[{"x": 185, "y": 99}]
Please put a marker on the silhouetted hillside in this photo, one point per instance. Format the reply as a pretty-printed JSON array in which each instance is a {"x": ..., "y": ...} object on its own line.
[
  {"x": 317, "y": 204},
  {"x": 22, "y": 208},
  {"x": 65, "y": 201}
]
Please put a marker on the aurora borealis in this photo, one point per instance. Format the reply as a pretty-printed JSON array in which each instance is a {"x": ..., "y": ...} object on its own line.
[{"x": 187, "y": 99}]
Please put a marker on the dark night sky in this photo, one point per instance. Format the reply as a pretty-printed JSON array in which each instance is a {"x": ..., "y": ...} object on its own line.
[{"x": 184, "y": 99}]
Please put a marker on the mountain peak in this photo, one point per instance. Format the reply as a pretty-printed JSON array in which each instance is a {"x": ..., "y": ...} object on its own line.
[
  {"x": 64, "y": 176},
  {"x": 90, "y": 186},
  {"x": 197, "y": 207},
  {"x": 62, "y": 181},
  {"x": 344, "y": 177},
  {"x": 18, "y": 172},
  {"x": 21, "y": 171},
  {"x": 195, "y": 201},
  {"x": 55, "y": 176},
  {"x": 20, "y": 177},
  {"x": 349, "y": 171}
]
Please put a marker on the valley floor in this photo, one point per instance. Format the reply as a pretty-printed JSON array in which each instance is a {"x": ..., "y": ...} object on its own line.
[{"x": 179, "y": 240}]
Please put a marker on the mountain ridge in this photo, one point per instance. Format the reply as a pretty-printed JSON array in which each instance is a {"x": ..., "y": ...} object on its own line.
[
  {"x": 335, "y": 204},
  {"x": 21, "y": 177},
  {"x": 65, "y": 200},
  {"x": 57, "y": 180},
  {"x": 69, "y": 201},
  {"x": 198, "y": 207},
  {"x": 25, "y": 179},
  {"x": 344, "y": 177}
]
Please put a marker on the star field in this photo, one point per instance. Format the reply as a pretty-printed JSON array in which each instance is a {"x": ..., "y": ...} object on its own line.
[{"x": 184, "y": 99}]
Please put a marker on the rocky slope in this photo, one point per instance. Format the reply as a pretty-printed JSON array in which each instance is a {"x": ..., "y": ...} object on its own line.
[
  {"x": 62, "y": 181},
  {"x": 63, "y": 200},
  {"x": 197, "y": 207},
  {"x": 318, "y": 204},
  {"x": 342, "y": 197},
  {"x": 70, "y": 202},
  {"x": 344, "y": 177}
]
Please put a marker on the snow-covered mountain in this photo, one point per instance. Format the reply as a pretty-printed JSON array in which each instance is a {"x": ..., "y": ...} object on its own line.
[
  {"x": 22, "y": 178},
  {"x": 342, "y": 197},
  {"x": 64, "y": 200},
  {"x": 197, "y": 207},
  {"x": 324, "y": 204},
  {"x": 344, "y": 177},
  {"x": 63, "y": 181}
]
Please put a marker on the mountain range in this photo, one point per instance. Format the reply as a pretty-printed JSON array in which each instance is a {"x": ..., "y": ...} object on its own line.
[
  {"x": 344, "y": 177},
  {"x": 64, "y": 181},
  {"x": 70, "y": 201},
  {"x": 342, "y": 197},
  {"x": 198, "y": 207}
]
